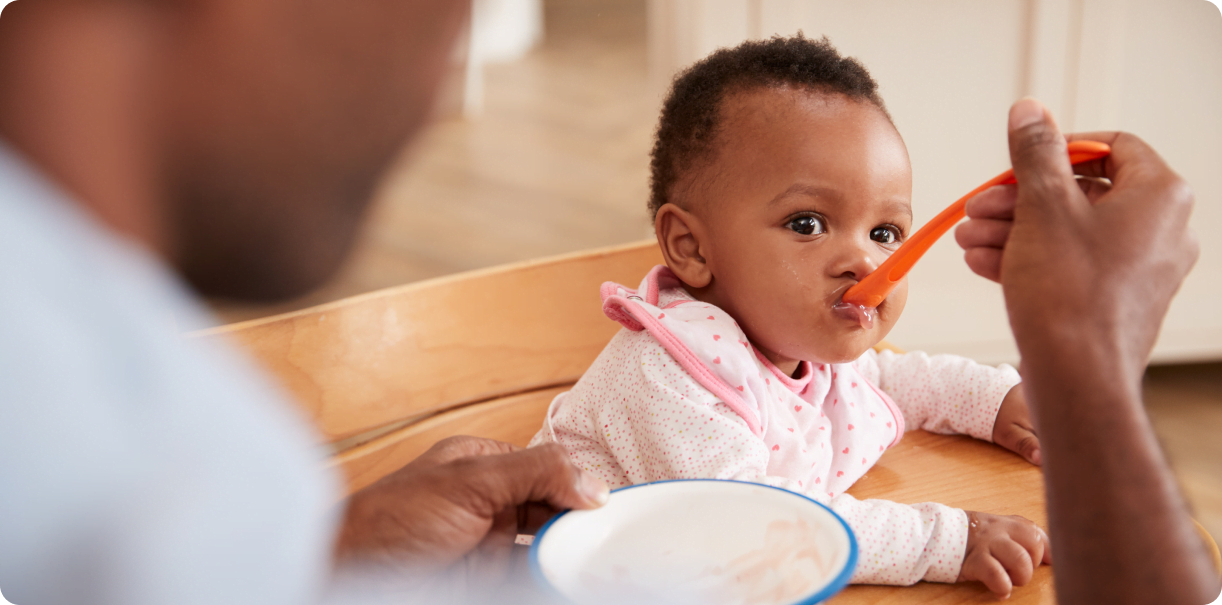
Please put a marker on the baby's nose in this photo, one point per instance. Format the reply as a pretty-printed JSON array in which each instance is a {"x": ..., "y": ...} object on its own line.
[{"x": 857, "y": 263}]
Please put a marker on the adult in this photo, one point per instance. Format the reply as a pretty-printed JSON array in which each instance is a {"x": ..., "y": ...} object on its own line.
[
  {"x": 155, "y": 150},
  {"x": 1088, "y": 275}
]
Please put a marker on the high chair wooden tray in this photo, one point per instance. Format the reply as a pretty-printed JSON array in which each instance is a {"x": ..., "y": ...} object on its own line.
[
  {"x": 964, "y": 473},
  {"x": 385, "y": 375}
]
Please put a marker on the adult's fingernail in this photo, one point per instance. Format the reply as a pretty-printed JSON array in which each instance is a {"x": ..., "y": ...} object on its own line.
[
  {"x": 1025, "y": 112},
  {"x": 1036, "y": 457},
  {"x": 594, "y": 489}
]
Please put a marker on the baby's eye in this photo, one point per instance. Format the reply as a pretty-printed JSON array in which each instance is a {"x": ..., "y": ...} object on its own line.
[
  {"x": 807, "y": 225},
  {"x": 885, "y": 235}
]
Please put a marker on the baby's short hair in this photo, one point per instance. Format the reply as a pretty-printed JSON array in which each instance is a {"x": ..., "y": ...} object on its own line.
[{"x": 690, "y": 114}]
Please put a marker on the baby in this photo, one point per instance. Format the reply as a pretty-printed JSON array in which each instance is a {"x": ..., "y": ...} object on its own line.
[{"x": 779, "y": 181}]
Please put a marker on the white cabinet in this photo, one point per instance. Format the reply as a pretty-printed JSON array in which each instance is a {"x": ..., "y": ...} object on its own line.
[{"x": 949, "y": 70}]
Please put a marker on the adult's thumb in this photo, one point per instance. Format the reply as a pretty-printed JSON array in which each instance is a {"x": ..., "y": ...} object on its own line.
[
  {"x": 538, "y": 474},
  {"x": 1038, "y": 154}
]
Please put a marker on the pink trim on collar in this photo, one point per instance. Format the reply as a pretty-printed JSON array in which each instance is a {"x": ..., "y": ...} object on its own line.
[
  {"x": 617, "y": 305},
  {"x": 796, "y": 385},
  {"x": 658, "y": 279},
  {"x": 895, "y": 410}
]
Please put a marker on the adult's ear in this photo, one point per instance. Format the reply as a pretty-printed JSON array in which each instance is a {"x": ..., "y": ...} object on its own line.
[{"x": 679, "y": 235}]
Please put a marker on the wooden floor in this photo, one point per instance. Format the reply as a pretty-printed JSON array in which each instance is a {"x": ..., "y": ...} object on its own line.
[{"x": 559, "y": 162}]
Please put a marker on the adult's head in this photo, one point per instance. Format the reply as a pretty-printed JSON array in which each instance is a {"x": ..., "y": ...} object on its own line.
[{"x": 241, "y": 139}]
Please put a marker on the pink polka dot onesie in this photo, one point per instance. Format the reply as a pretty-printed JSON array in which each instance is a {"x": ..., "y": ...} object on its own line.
[{"x": 682, "y": 393}]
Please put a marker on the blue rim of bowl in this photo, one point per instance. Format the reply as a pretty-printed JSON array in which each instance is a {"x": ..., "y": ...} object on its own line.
[{"x": 836, "y": 585}]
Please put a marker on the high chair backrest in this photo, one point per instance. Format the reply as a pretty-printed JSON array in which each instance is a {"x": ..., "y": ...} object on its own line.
[{"x": 385, "y": 375}]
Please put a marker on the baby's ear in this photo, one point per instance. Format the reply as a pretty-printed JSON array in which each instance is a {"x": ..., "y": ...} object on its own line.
[{"x": 680, "y": 235}]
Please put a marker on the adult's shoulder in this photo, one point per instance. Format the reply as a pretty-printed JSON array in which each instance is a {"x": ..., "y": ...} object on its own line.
[{"x": 129, "y": 448}]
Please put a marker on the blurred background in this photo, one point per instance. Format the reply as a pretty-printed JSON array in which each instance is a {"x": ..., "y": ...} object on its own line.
[{"x": 542, "y": 137}]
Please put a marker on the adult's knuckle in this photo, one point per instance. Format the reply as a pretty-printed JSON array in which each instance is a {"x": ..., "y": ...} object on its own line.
[
  {"x": 1045, "y": 183},
  {"x": 555, "y": 458},
  {"x": 466, "y": 466},
  {"x": 1191, "y": 244},
  {"x": 552, "y": 452},
  {"x": 1179, "y": 194},
  {"x": 963, "y": 235},
  {"x": 1036, "y": 136},
  {"x": 1124, "y": 137},
  {"x": 1033, "y": 144},
  {"x": 456, "y": 441}
]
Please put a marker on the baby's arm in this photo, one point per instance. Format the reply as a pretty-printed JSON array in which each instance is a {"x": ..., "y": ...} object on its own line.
[
  {"x": 944, "y": 394},
  {"x": 902, "y": 544}
]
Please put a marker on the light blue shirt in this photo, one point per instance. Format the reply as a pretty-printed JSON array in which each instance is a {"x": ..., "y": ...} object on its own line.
[{"x": 138, "y": 467}]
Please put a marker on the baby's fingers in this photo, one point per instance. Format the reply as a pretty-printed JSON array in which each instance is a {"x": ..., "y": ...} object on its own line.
[
  {"x": 1023, "y": 442},
  {"x": 1034, "y": 539},
  {"x": 1029, "y": 447},
  {"x": 994, "y": 577},
  {"x": 1019, "y": 563}
]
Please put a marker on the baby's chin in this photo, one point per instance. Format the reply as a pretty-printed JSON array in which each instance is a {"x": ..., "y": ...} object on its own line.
[{"x": 845, "y": 350}]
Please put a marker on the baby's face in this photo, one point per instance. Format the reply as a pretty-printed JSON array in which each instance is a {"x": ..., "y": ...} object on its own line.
[{"x": 808, "y": 193}]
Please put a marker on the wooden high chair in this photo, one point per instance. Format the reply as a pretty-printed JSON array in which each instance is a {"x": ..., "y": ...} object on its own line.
[{"x": 387, "y": 374}]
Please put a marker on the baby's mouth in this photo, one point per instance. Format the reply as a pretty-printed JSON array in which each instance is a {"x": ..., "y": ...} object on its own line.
[{"x": 863, "y": 315}]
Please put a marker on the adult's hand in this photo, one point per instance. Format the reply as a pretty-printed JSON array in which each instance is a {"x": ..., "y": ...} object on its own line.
[
  {"x": 1088, "y": 275},
  {"x": 443, "y": 505},
  {"x": 1083, "y": 263}
]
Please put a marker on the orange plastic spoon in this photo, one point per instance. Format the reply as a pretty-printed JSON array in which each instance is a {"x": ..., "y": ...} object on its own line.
[{"x": 877, "y": 286}]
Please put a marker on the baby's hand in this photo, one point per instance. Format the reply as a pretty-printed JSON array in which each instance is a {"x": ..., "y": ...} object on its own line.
[
  {"x": 1013, "y": 430},
  {"x": 1003, "y": 551}
]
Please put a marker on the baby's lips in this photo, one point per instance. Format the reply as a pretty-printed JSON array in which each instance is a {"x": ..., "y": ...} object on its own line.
[
  {"x": 837, "y": 296},
  {"x": 864, "y": 316},
  {"x": 863, "y": 299}
]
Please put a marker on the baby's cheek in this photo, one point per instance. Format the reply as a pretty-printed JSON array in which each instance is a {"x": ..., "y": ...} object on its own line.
[{"x": 889, "y": 312}]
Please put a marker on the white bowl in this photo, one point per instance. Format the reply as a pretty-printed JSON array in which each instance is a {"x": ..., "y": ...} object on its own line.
[{"x": 703, "y": 541}]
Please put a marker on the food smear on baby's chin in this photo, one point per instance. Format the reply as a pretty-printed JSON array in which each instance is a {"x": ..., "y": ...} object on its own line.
[{"x": 863, "y": 315}]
